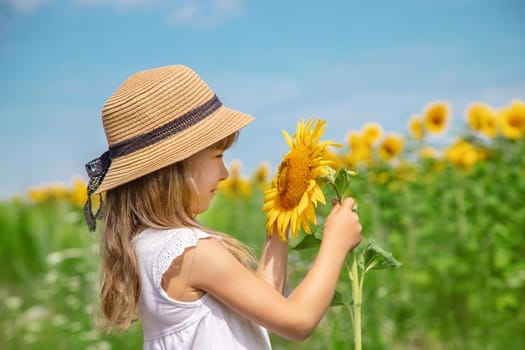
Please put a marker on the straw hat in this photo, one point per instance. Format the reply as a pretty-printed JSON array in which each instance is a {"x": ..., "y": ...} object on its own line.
[{"x": 156, "y": 118}]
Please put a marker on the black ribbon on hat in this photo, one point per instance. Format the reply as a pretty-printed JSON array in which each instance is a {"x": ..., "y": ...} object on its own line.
[{"x": 96, "y": 169}]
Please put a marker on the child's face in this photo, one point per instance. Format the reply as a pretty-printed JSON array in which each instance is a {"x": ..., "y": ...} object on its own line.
[{"x": 210, "y": 170}]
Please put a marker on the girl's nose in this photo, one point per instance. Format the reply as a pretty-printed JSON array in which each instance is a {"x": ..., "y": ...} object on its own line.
[{"x": 224, "y": 172}]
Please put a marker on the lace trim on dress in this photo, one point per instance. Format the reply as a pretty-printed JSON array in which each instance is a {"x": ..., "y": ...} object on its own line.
[{"x": 174, "y": 247}]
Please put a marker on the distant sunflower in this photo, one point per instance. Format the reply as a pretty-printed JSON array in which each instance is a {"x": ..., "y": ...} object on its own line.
[
  {"x": 391, "y": 146},
  {"x": 52, "y": 192},
  {"x": 356, "y": 141},
  {"x": 415, "y": 127},
  {"x": 512, "y": 120},
  {"x": 490, "y": 125},
  {"x": 359, "y": 149},
  {"x": 37, "y": 195},
  {"x": 78, "y": 194},
  {"x": 372, "y": 133},
  {"x": 357, "y": 157},
  {"x": 428, "y": 153},
  {"x": 436, "y": 117},
  {"x": 294, "y": 193},
  {"x": 462, "y": 154},
  {"x": 260, "y": 176},
  {"x": 475, "y": 115},
  {"x": 481, "y": 118}
]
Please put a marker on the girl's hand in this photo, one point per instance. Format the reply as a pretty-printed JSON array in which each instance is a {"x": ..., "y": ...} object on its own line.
[{"x": 342, "y": 229}]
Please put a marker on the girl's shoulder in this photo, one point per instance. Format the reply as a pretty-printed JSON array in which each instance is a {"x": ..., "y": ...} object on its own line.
[{"x": 161, "y": 247}]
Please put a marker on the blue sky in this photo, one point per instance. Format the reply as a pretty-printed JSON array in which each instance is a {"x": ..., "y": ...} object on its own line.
[{"x": 348, "y": 62}]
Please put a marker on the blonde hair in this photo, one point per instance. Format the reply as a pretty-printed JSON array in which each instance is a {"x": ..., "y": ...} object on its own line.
[{"x": 161, "y": 200}]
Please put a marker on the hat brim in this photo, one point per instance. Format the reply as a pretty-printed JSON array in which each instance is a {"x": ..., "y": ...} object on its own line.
[{"x": 223, "y": 122}]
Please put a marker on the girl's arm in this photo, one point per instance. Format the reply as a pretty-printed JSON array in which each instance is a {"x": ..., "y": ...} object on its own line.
[
  {"x": 217, "y": 272},
  {"x": 273, "y": 262}
]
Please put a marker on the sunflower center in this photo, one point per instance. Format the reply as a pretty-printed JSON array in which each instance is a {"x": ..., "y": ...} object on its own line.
[
  {"x": 293, "y": 177},
  {"x": 389, "y": 149},
  {"x": 437, "y": 119},
  {"x": 515, "y": 122}
]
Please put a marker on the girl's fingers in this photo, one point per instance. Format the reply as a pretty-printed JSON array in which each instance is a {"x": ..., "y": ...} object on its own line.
[{"x": 349, "y": 203}]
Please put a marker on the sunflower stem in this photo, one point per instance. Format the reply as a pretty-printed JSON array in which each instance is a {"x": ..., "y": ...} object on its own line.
[
  {"x": 357, "y": 293},
  {"x": 338, "y": 193}
]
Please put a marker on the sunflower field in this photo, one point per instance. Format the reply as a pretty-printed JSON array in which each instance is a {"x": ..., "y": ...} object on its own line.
[{"x": 447, "y": 199}]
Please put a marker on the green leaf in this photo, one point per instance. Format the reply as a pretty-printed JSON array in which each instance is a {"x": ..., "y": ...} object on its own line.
[
  {"x": 343, "y": 178},
  {"x": 338, "y": 299},
  {"x": 306, "y": 241},
  {"x": 328, "y": 178},
  {"x": 375, "y": 257}
]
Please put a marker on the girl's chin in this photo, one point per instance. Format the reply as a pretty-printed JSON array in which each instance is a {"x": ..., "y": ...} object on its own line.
[{"x": 202, "y": 208}]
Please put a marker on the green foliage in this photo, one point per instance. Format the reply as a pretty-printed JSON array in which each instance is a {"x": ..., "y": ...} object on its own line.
[
  {"x": 375, "y": 257},
  {"x": 304, "y": 241},
  {"x": 48, "y": 286},
  {"x": 459, "y": 233},
  {"x": 339, "y": 181}
]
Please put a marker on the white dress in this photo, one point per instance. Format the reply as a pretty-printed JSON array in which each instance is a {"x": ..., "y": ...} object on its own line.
[{"x": 170, "y": 324}]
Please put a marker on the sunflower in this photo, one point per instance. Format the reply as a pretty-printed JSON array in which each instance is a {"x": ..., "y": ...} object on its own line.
[
  {"x": 512, "y": 120},
  {"x": 428, "y": 153},
  {"x": 47, "y": 193},
  {"x": 260, "y": 176},
  {"x": 436, "y": 117},
  {"x": 462, "y": 154},
  {"x": 294, "y": 193},
  {"x": 78, "y": 194},
  {"x": 475, "y": 115},
  {"x": 356, "y": 141},
  {"x": 372, "y": 133},
  {"x": 490, "y": 125},
  {"x": 37, "y": 195},
  {"x": 415, "y": 127},
  {"x": 359, "y": 149},
  {"x": 391, "y": 146},
  {"x": 357, "y": 157},
  {"x": 481, "y": 118}
]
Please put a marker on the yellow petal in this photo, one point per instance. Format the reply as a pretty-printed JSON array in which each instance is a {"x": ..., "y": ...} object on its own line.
[
  {"x": 293, "y": 222},
  {"x": 288, "y": 139},
  {"x": 303, "y": 203},
  {"x": 318, "y": 195}
]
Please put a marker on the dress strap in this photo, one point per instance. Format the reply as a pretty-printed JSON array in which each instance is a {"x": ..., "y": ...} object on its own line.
[{"x": 175, "y": 245}]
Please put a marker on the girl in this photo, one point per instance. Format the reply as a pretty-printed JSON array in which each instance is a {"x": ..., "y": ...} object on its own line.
[{"x": 194, "y": 288}]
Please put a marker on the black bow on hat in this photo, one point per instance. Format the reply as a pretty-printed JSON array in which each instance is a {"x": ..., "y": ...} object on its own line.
[{"x": 96, "y": 170}]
